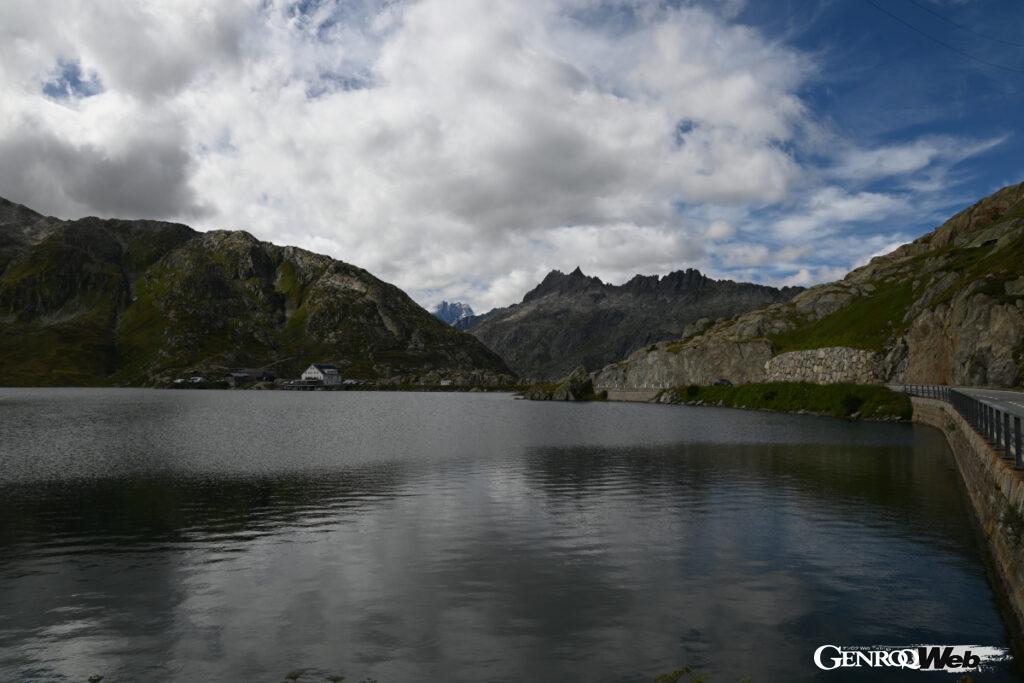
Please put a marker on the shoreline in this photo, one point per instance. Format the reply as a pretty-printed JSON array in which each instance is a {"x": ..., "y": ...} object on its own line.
[{"x": 858, "y": 402}]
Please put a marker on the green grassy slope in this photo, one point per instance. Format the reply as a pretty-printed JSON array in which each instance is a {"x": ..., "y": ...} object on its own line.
[
  {"x": 96, "y": 302},
  {"x": 986, "y": 263}
]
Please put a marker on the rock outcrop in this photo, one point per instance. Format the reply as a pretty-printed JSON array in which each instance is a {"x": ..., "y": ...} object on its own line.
[
  {"x": 667, "y": 365},
  {"x": 99, "y": 302},
  {"x": 578, "y": 386},
  {"x": 572, "y": 319},
  {"x": 945, "y": 308}
]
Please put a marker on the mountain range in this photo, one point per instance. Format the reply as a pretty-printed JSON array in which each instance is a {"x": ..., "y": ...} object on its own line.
[
  {"x": 137, "y": 302},
  {"x": 571, "y": 319}
]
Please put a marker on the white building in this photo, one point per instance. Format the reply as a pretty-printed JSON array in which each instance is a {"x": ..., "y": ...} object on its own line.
[{"x": 322, "y": 372}]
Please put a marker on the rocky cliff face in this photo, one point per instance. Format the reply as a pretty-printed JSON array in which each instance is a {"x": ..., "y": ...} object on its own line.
[
  {"x": 452, "y": 312},
  {"x": 572, "y": 320},
  {"x": 946, "y": 308},
  {"x": 93, "y": 302}
]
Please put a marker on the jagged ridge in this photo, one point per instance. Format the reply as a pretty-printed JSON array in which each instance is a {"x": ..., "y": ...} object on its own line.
[{"x": 571, "y": 319}]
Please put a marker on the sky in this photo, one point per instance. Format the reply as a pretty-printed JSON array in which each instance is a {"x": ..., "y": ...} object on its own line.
[{"x": 461, "y": 149}]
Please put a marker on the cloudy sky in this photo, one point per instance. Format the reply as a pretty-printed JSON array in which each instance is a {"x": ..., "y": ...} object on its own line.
[{"x": 463, "y": 148}]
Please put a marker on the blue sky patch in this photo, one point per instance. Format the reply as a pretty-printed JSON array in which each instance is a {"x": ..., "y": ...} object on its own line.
[{"x": 70, "y": 82}]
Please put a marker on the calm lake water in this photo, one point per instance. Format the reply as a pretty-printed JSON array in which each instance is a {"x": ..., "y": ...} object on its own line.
[{"x": 217, "y": 536}]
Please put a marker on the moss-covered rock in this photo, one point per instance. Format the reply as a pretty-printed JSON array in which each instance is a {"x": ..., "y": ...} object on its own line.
[{"x": 578, "y": 386}]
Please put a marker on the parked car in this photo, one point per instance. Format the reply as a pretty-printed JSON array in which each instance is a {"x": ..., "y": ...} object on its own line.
[{"x": 723, "y": 383}]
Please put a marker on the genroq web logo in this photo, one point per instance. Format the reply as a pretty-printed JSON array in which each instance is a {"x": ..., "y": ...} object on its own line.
[{"x": 948, "y": 658}]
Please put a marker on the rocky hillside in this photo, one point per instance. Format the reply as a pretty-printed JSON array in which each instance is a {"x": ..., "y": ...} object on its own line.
[
  {"x": 114, "y": 302},
  {"x": 572, "y": 320},
  {"x": 947, "y": 308},
  {"x": 452, "y": 312}
]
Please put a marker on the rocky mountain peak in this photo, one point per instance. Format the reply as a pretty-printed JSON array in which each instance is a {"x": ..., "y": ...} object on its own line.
[
  {"x": 557, "y": 282},
  {"x": 11, "y": 212},
  {"x": 573, "y": 319},
  {"x": 452, "y": 312},
  {"x": 675, "y": 282}
]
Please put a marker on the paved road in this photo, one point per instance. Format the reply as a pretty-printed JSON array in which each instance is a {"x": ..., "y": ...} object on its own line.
[{"x": 1009, "y": 401}]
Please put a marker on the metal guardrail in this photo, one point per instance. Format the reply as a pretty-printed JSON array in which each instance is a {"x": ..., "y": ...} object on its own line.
[
  {"x": 936, "y": 391},
  {"x": 1001, "y": 429}
]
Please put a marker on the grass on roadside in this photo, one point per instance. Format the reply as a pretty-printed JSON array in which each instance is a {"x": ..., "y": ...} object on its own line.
[{"x": 838, "y": 400}]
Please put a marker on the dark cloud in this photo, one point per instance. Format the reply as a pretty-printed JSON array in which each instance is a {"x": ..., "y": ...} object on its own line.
[{"x": 148, "y": 179}]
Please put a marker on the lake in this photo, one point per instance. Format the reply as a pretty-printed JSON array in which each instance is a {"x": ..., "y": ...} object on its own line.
[{"x": 151, "y": 535}]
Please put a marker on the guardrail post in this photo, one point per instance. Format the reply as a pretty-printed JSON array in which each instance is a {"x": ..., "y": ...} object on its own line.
[
  {"x": 996, "y": 423},
  {"x": 1002, "y": 440},
  {"x": 1006, "y": 436},
  {"x": 995, "y": 428},
  {"x": 1017, "y": 452}
]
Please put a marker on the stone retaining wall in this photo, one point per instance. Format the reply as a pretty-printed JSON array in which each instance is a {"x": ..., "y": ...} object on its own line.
[
  {"x": 996, "y": 492},
  {"x": 830, "y": 365}
]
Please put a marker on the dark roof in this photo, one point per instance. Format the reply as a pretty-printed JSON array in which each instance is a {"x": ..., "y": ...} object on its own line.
[{"x": 324, "y": 367}]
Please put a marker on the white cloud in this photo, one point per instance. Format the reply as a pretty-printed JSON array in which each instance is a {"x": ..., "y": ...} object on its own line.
[
  {"x": 805, "y": 277},
  {"x": 829, "y": 208},
  {"x": 450, "y": 146},
  {"x": 516, "y": 127},
  {"x": 740, "y": 255},
  {"x": 719, "y": 230},
  {"x": 904, "y": 159},
  {"x": 864, "y": 260}
]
